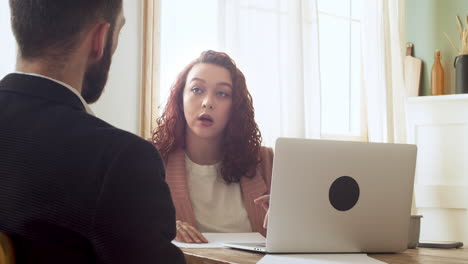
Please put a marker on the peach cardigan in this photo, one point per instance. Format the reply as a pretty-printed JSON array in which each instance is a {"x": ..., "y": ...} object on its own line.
[{"x": 251, "y": 188}]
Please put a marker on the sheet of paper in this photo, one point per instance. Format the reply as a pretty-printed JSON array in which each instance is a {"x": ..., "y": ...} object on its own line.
[
  {"x": 319, "y": 259},
  {"x": 215, "y": 240}
]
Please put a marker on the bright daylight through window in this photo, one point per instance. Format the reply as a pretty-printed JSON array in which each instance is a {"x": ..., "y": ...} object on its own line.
[{"x": 199, "y": 25}]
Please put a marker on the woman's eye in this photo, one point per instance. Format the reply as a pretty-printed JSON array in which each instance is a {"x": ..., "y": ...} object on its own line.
[
  {"x": 196, "y": 90},
  {"x": 223, "y": 94}
]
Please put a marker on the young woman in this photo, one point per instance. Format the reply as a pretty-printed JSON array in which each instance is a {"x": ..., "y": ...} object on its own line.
[{"x": 215, "y": 165}]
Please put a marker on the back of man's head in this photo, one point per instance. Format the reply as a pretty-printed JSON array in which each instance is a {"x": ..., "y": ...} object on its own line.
[{"x": 51, "y": 28}]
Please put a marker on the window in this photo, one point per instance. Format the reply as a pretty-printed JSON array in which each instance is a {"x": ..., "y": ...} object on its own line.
[
  {"x": 256, "y": 35},
  {"x": 185, "y": 33},
  {"x": 340, "y": 68}
]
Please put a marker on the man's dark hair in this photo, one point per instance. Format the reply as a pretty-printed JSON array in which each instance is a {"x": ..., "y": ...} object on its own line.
[{"x": 51, "y": 28}]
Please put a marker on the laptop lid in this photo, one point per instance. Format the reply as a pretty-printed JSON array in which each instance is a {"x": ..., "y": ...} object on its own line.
[{"x": 339, "y": 196}]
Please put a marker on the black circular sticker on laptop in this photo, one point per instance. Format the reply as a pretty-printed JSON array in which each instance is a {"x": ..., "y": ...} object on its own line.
[{"x": 344, "y": 193}]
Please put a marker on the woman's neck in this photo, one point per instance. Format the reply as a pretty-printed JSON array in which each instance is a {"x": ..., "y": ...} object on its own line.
[{"x": 203, "y": 151}]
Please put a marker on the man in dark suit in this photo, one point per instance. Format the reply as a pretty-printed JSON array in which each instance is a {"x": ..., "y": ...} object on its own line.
[{"x": 74, "y": 189}]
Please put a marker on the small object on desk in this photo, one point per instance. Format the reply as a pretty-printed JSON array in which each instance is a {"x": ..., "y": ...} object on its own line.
[
  {"x": 414, "y": 230},
  {"x": 440, "y": 244}
]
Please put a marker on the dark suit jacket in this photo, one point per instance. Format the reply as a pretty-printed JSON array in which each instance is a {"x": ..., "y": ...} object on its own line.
[{"x": 74, "y": 189}]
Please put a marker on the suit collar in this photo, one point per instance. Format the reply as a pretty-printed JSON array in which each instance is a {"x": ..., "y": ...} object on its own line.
[
  {"x": 36, "y": 86},
  {"x": 74, "y": 91}
]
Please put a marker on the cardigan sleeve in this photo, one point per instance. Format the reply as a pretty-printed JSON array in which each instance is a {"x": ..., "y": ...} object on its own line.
[{"x": 267, "y": 165}]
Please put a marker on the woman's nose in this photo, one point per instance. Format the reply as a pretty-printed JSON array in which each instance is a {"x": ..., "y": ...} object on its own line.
[{"x": 208, "y": 103}]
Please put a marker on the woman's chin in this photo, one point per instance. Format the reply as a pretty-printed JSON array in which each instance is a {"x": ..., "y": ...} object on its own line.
[{"x": 206, "y": 134}]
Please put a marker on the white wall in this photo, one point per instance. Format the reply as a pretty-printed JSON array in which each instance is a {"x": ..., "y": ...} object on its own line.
[
  {"x": 120, "y": 103},
  {"x": 7, "y": 41}
]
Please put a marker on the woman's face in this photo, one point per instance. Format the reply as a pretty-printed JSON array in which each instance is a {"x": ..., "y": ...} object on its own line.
[{"x": 207, "y": 99}]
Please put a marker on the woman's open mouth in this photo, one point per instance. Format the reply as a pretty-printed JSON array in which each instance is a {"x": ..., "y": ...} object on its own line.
[{"x": 206, "y": 120}]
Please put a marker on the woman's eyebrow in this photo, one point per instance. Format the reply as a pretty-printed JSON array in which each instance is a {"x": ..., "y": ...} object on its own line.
[
  {"x": 197, "y": 79},
  {"x": 218, "y": 84},
  {"x": 225, "y": 84}
]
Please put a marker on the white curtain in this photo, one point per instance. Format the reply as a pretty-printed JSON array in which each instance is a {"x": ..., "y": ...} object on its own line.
[
  {"x": 382, "y": 30},
  {"x": 382, "y": 58},
  {"x": 275, "y": 43}
]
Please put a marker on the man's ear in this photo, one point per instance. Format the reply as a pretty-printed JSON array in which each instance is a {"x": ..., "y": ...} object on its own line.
[{"x": 99, "y": 39}]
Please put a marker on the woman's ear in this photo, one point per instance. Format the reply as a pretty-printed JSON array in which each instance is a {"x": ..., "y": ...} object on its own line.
[{"x": 99, "y": 40}]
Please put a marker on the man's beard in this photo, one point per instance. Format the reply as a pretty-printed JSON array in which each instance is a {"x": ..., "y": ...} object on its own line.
[{"x": 96, "y": 75}]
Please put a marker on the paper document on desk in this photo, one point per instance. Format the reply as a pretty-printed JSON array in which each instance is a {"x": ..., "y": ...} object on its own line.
[
  {"x": 216, "y": 240},
  {"x": 319, "y": 259}
]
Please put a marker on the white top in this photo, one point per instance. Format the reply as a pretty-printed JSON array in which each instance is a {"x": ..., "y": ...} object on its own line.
[
  {"x": 218, "y": 207},
  {"x": 86, "y": 106}
]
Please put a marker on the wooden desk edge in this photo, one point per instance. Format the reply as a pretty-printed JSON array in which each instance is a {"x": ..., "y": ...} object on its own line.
[{"x": 233, "y": 256}]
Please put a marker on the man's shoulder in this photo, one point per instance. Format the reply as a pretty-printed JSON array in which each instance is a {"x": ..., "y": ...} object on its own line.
[
  {"x": 96, "y": 129},
  {"x": 90, "y": 133}
]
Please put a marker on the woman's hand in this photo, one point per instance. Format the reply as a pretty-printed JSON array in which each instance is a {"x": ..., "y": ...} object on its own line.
[
  {"x": 264, "y": 201},
  {"x": 188, "y": 234}
]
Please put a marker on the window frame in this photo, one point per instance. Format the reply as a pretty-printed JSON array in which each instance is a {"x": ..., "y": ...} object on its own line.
[
  {"x": 363, "y": 135},
  {"x": 151, "y": 66}
]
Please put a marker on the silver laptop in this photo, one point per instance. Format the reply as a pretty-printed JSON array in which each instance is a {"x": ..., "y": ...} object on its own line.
[{"x": 338, "y": 196}]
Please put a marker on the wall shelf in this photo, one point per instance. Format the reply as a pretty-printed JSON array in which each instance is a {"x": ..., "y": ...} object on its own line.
[{"x": 437, "y": 98}]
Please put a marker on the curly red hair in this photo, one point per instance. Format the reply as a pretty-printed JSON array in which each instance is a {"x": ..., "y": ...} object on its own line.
[{"x": 242, "y": 138}]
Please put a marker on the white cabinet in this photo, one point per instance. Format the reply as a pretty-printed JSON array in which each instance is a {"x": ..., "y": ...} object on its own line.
[{"x": 439, "y": 127}]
